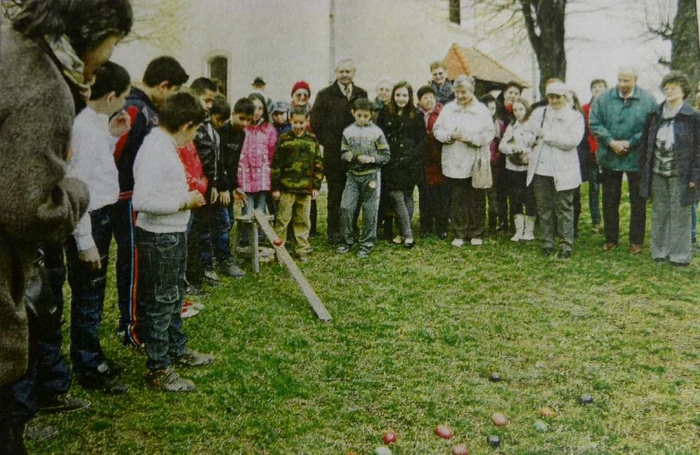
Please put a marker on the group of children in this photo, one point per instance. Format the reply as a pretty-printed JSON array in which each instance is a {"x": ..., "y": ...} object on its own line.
[{"x": 167, "y": 170}]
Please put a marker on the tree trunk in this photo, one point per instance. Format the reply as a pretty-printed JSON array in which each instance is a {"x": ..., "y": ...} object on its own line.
[
  {"x": 685, "y": 50},
  {"x": 544, "y": 20},
  {"x": 455, "y": 12}
]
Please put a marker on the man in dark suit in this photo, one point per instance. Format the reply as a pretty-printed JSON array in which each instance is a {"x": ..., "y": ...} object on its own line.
[{"x": 330, "y": 115}]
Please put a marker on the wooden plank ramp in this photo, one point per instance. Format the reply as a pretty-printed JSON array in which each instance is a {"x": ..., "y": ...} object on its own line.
[{"x": 286, "y": 259}]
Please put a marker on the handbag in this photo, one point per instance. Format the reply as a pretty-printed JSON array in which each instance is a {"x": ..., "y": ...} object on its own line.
[{"x": 481, "y": 170}]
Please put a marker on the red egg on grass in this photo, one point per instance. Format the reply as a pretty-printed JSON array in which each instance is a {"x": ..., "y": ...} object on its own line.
[
  {"x": 389, "y": 437},
  {"x": 499, "y": 420},
  {"x": 460, "y": 450},
  {"x": 443, "y": 431}
]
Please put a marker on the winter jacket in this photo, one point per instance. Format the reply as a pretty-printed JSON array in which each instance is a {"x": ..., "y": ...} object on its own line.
[
  {"x": 331, "y": 114},
  {"x": 686, "y": 148},
  {"x": 196, "y": 180},
  {"x": 365, "y": 140},
  {"x": 231, "y": 145},
  {"x": 207, "y": 143},
  {"x": 407, "y": 140},
  {"x": 144, "y": 118},
  {"x": 475, "y": 122},
  {"x": 500, "y": 128},
  {"x": 432, "y": 166},
  {"x": 561, "y": 132},
  {"x": 298, "y": 165},
  {"x": 615, "y": 118},
  {"x": 256, "y": 158},
  {"x": 444, "y": 93},
  {"x": 38, "y": 202},
  {"x": 517, "y": 138},
  {"x": 590, "y": 137}
]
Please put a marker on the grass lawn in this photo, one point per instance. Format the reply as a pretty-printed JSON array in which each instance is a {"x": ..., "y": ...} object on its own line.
[{"x": 414, "y": 337}]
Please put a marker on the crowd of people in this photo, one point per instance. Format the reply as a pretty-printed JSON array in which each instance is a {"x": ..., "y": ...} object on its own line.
[{"x": 163, "y": 175}]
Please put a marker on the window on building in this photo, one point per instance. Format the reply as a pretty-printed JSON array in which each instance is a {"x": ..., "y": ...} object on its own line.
[{"x": 218, "y": 72}]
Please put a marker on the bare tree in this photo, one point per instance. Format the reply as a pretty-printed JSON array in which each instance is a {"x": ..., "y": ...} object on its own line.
[{"x": 160, "y": 22}]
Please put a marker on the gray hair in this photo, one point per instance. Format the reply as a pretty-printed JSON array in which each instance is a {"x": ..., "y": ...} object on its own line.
[
  {"x": 342, "y": 60},
  {"x": 628, "y": 69},
  {"x": 464, "y": 81},
  {"x": 384, "y": 81}
]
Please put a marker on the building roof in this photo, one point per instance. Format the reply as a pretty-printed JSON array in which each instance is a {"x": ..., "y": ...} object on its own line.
[{"x": 472, "y": 62}]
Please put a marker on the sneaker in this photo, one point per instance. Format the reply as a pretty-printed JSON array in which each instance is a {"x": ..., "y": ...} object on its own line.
[
  {"x": 442, "y": 236},
  {"x": 211, "y": 275},
  {"x": 111, "y": 369},
  {"x": 191, "y": 358},
  {"x": 188, "y": 312},
  {"x": 459, "y": 243},
  {"x": 363, "y": 253},
  {"x": 565, "y": 254},
  {"x": 398, "y": 240},
  {"x": 38, "y": 432},
  {"x": 303, "y": 258},
  {"x": 609, "y": 246},
  {"x": 105, "y": 382},
  {"x": 409, "y": 243},
  {"x": 168, "y": 381},
  {"x": 230, "y": 269},
  {"x": 635, "y": 249},
  {"x": 194, "y": 304},
  {"x": 342, "y": 249},
  {"x": 595, "y": 229},
  {"x": 62, "y": 403},
  {"x": 476, "y": 242},
  {"x": 196, "y": 291}
]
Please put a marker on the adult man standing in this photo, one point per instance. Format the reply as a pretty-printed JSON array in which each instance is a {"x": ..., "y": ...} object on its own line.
[
  {"x": 617, "y": 119},
  {"x": 330, "y": 115}
]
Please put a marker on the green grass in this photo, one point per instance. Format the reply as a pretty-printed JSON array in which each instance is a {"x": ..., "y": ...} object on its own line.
[{"x": 414, "y": 337}]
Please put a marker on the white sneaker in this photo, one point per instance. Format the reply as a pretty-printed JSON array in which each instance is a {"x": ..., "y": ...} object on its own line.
[
  {"x": 188, "y": 312},
  {"x": 458, "y": 243},
  {"x": 476, "y": 242}
]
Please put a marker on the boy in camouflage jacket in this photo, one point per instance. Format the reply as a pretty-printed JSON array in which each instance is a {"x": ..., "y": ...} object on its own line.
[{"x": 297, "y": 173}]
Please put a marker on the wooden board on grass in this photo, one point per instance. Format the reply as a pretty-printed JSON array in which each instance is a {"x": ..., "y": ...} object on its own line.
[{"x": 286, "y": 259}]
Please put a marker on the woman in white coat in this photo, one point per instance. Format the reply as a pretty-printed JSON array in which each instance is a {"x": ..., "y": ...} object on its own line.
[
  {"x": 554, "y": 169},
  {"x": 466, "y": 129}
]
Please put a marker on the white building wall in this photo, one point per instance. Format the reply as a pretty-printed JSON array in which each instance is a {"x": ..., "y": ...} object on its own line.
[{"x": 284, "y": 41}]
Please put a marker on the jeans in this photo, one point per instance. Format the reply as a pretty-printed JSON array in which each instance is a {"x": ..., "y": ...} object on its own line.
[
  {"x": 360, "y": 191},
  {"x": 555, "y": 210},
  {"x": 88, "y": 294},
  {"x": 612, "y": 193},
  {"x": 336, "y": 179},
  {"x": 163, "y": 259},
  {"x": 12, "y": 422},
  {"x": 124, "y": 219},
  {"x": 468, "y": 209},
  {"x": 254, "y": 201},
  {"x": 215, "y": 234}
]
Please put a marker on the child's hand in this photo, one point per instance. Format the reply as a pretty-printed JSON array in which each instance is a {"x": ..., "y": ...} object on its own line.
[
  {"x": 239, "y": 197},
  {"x": 314, "y": 194},
  {"x": 276, "y": 195},
  {"x": 91, "y": 257},
  {"x": 347, "y": 156},
  {"x": 225, "y": 198},
  {"x": 365, "y": 159},
  {"x": 120, "y": 124},
  {"x": 194, "y": 200}
]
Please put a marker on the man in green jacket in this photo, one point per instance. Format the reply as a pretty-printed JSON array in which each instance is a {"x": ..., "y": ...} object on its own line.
[{"x": 617, "y": 119}]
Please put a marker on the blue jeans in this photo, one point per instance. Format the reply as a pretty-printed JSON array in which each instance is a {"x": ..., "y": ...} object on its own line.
[
  {"x": 163, "y": 259},
  {"x": 88, "y": 294},
  {"x": 215, "y": 235},
  {"x": 360, "y": 191},
  {"x": 254, "y": 201}
]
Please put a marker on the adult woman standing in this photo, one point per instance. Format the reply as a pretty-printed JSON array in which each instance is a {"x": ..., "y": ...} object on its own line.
[
  {"x": 49, "y": 58},
  {"x": 465, "y": 128},
  {"x": 669, "y": 167},
  {"x": 404, "y": 128},
  {"x": 553, "y": 168}
]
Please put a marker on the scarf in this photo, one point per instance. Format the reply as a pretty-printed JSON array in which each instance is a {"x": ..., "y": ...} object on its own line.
[{"x": 71, "y": 65}]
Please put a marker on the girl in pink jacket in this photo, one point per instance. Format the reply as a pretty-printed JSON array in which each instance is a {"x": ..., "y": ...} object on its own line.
[{"x": 256, "y": 157}]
